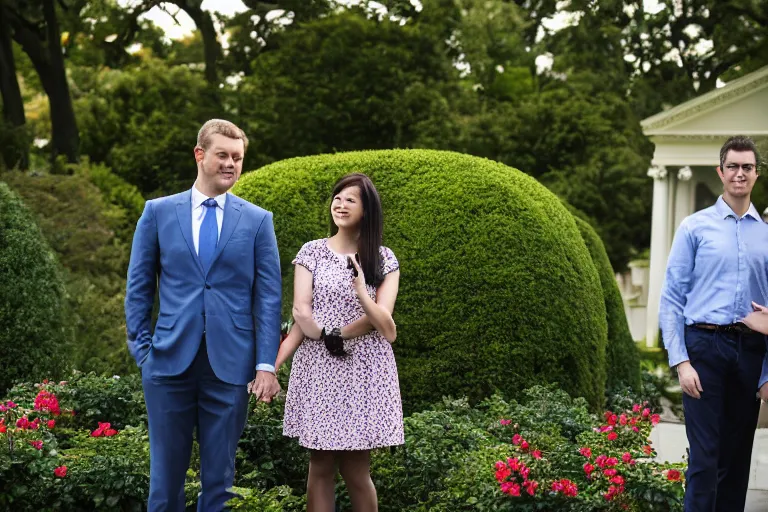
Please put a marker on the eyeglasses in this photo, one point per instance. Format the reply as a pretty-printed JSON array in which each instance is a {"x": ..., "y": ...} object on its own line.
[{"x": 746, "y": 167}]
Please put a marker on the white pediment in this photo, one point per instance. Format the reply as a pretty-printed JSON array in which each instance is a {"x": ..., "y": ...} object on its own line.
[{"x": 740, "y": 107}]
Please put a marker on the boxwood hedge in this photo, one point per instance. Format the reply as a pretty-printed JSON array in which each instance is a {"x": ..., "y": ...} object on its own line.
[
  {"x": 498, "y": 290},
  {"x": 622, "y": 358},
  {"x": 33, "y": 330}
]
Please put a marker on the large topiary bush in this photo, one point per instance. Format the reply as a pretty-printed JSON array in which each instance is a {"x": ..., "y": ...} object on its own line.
[
  {"x": 497, "y": 290},
  {"x": 621, "y": 354},
  {"x": 33, "y": 329}
]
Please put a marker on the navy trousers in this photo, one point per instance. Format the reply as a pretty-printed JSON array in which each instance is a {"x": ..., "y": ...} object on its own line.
[
  {"x": 179, "y": 405},
  {"x": 721, "y": 424}
]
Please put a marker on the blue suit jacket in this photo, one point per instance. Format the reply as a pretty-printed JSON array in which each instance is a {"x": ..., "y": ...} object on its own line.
[{"x": 236, "y": 305}]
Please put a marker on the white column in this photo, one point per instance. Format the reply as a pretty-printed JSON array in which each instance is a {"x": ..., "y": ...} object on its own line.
[{"x": 660, "y": 241}]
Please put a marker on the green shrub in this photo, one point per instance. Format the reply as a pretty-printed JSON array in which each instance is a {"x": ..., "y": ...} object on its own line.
[
  {"x": 107, "y": 473},
  {"x": 622, "y": 358},
  {"x": 265, "y": 457},
  {"x": 93, "y": 398},
  {"x": 117, "y": 192},
  {"x": 276, "y": 499},
  {"x": 497, "y": 289},
  {"x": 82, "y": 227},
  {"x": 33, "y": 328}
]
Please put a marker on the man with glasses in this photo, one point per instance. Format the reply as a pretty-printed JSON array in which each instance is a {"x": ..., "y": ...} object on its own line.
[{"x": 716, "y": 270}]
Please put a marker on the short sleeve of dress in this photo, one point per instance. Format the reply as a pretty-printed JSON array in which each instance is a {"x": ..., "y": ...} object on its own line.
[
  {"x": 307, "y": 256},
  {"x": 389, "y": 262}
]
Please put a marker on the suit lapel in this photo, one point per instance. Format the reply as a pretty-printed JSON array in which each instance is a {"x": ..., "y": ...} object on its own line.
[
  {"x": 184, "y": 214},
  {"x": 231, "y": 218}
]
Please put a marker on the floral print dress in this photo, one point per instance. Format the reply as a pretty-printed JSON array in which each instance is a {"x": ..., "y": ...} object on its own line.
[{"x": 350, "y": 402}]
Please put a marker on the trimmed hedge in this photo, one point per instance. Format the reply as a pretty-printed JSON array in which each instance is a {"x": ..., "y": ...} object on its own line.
[
  {"x": 497, "y": 291},
  {"x": 621, "y": 354},
  {"x": 33, "y": 330},
  {"x": 90, "y": 235}
]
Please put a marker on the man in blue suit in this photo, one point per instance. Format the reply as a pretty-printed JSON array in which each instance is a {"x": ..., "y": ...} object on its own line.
[{"x": 214, "y": 259}]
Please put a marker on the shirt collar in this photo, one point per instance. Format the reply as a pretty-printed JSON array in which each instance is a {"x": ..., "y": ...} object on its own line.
[
  {"x": 725, "y": 211},
  {"x": 198, "y": 198}
]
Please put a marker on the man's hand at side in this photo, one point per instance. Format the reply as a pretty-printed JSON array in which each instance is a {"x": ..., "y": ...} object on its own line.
[
  {"x": 689, "y": 380},
  {"x": 264, "y": 386}
]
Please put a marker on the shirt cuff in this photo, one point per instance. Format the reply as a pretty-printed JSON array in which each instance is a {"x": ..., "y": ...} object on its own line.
[
  {"x": 263, "y": 367},
  {"x": 680, "y": 356}
]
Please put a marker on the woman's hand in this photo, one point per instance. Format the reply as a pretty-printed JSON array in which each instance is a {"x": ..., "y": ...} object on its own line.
[
  {"x": 758, "y": 319},
  {"x": 359, "y": 280}
]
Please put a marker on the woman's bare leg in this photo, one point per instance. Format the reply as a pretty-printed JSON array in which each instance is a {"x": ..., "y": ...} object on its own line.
[
  {"x": 355, "y": 468},
  {"x": 320, "y": 483}
]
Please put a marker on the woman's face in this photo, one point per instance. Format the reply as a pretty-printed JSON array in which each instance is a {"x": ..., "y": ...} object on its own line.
[{"x": 347, "y": 208}]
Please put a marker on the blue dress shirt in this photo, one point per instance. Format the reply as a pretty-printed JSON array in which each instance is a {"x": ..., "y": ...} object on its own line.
[{"x": 717, "y": 266}]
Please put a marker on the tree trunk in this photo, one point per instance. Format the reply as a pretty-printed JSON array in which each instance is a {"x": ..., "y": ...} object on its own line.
[
  {"x": 211, "y": 47},
  {"x": 16, "y": 154},
  {"x": 65, "y": 137}
]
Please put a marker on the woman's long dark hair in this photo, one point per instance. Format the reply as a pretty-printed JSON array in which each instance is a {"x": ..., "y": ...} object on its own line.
[{"x": 371, "y": 225}]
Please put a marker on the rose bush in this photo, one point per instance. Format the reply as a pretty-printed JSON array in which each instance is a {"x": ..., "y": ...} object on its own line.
[{"x": 543, "y": 452}]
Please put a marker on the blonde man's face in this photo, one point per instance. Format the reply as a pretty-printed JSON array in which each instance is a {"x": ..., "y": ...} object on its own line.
[{"x": 220, "y": 166}]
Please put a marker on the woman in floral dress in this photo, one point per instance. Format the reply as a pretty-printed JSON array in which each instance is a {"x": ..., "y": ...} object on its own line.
[{"x": 343, "y": 394}]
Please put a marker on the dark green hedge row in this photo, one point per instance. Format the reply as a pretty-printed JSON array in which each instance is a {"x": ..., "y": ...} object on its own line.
[
  {"x": 498, "y": 290},
  {"x": 33, "y": 332}
]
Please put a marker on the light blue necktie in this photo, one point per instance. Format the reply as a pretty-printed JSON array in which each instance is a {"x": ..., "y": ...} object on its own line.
[{"x": 209, "y": 234}]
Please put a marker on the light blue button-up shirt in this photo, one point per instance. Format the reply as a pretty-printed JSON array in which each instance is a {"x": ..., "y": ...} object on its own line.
[{"x": 717, "y": 266}]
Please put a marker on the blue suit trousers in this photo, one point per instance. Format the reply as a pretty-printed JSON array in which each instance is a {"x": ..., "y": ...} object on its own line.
[{"x": 177, "y": 406}]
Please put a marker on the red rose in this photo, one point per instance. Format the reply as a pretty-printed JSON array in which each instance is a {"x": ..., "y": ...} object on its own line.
[
  {"x": 51, "y": 424},
  {"x": 60, "y": 471},
  {"x": 110, "y": 432},
  {"x": 673, "y": 475},
  {"x": 588, "y": 468},
  {"x": 530, "y": 486},
  {"x": 517, "y": 439},
  {"x": 37, "y": 444},
  {"x": 524, "y": 446},
  {"x": 611, "y": 472},
  {"x": 3, "y": 428},
  {"x": 647, "y": 449},
  {"x": 536, "y": 454},
  {"x": 502, "y": 474},
  {"x": 655, "y": 418},
  {"x": 626, "y": 457},
  {"x": 612, "y": 436},
  {"x": 587, "y": 452}
]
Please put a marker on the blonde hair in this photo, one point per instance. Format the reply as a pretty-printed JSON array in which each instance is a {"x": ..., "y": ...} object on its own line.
[{"x": 220, "y": 127}]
